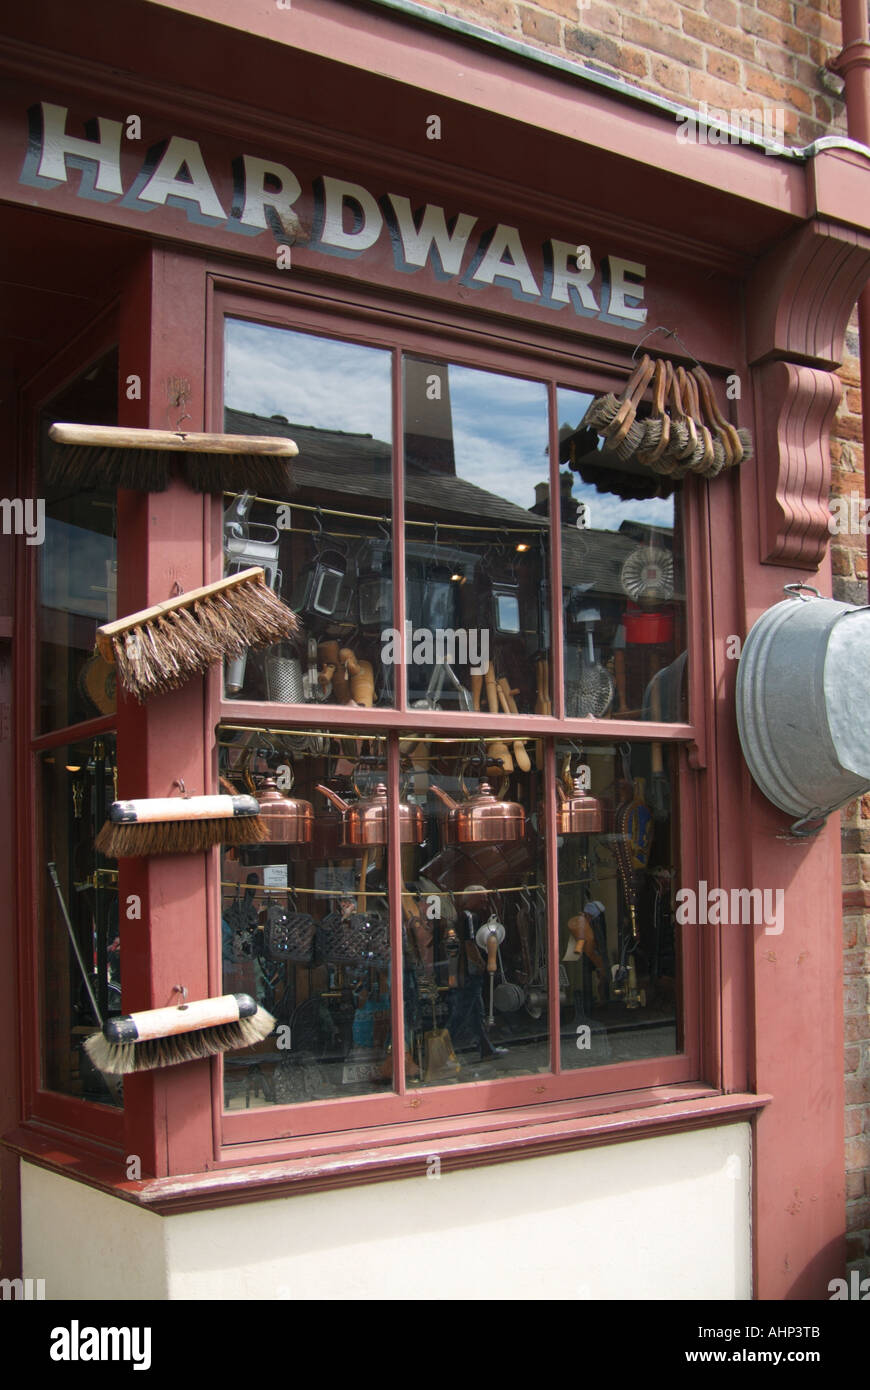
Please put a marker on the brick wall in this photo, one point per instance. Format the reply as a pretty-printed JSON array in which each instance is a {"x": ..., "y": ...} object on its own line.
[
  {"x": 769, "y": 54},
  {"x": 718, "y": 51}
]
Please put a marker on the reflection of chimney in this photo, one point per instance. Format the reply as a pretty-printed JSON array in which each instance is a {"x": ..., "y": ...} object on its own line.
[
  {"x": 428, "y": 419},
  {"x": 542, "y": 494}
]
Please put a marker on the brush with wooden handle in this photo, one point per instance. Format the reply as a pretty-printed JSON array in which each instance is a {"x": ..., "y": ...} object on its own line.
[
  {"x": 160, "y": 648},
  {"x": 182, "y": 1033}
]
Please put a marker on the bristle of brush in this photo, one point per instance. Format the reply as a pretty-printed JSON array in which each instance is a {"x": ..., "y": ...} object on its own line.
[
  {"x": 120, "y": 1059},
  {"x": 87, "y": 466},
  {"x": 238, "y": 473},
  {"x": 163, "y": 653},
  {"x": 136, "y": 840},
  {"x": 745, "y": 438}
]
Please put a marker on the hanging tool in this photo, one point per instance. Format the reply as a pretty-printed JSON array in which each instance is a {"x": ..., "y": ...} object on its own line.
[
  {"x": 160, "y": 648},
  {"x": 113, "y": 456},
  {"x": 179, "y": 1033},
  {"x": 180, "y": 825}
]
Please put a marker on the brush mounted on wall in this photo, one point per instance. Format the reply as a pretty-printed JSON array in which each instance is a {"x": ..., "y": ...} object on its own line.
[
  {"x": 88, "y": 456},
  {"x": 160, "y": 648},
  {"x": 180, "y": 1033},
  {"x": 180, "y": 825}
]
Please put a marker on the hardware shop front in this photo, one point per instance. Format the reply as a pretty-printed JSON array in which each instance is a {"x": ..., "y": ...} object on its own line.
[{"x": 548, "y": 393}]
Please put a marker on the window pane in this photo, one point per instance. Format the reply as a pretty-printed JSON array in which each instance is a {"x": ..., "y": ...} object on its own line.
[
  {"x": 623, "y": 580},
  {"x": 80, "y": 966},
  {"x": 476, "y": 552},
  {"x": 618, "y": 862},
  {"x": 327, "y": 547},
  {"x": 475, "y": 917},
  {"x": 77, "y": 567},
  {"x": 305, "y": 917}
]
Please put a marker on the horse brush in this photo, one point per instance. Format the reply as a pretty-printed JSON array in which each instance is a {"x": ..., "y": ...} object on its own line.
[
  {"x": 159, "y": 648},
  {"x": 180, "y": 825},
  {"x": 87, "y": 456},
  {"x": 180, "y": 1033}
]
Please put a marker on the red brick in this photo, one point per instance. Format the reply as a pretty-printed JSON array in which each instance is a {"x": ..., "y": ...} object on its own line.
[
  {"x": 725, "y": 11},
  {"x": 717, "y": 36},
  {"x": 543, "y": 27},
  {"x": 854, "y": 1186},
  {"x": 665, "y": 41},
  {"x": 853, "y": 400},
  {"x": 602, "y": 19},
  {"x": 780, "y": 91},
  {"x": 861, "y": 564},
  {"x": 850, "y": 370},
  {"x": 596, "y": 46},
  {"x": 672, "y": 77},
  {"x": 845, "y": 481},
  {"x": 723, "y": 66},
  {"x": 854, "y": 1122},
  {"x": 858, "y": 1090},
  {"x": 855, "y": 997},
  {"x": 663, "y": 11},
  {"x": 856, "y": 962},
  {"x": 812, "y": 22},
  {"x": 499, "y": 12},
  {"x": 849, "y": 427},
  {"x": 850, "y": 933},
  {"x": 780, "y": 8},
  {"x": 841, "y": 563},
  {"x": 775, "y": 59},
  {"x": 859, "y": 1215},
  {"x": 850, "y": 868},
  {"x": 633, "y": 61},
  {"x": 857, "y": 1026},
  {"x": 858, "y": 1153}
]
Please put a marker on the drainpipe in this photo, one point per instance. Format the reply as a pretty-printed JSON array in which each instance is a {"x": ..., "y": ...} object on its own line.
[{"x": 853, "y": 65}]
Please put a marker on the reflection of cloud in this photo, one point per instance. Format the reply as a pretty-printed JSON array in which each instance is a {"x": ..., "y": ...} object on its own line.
[
  {"x": 499, "y": 432},
  {"x": 312, "y": 381},
  {"x": 605, "y": 512}
]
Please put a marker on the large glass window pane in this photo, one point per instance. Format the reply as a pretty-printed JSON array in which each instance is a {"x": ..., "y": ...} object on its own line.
[
  {"x": 327, "y": 547},
  {"x": 475, "y": 917},
  {"x": 618, "y": 863},
  {"x": 77, "y": 566},
  {"x": 80, "y": 959},
  {"x": 476, "y": 549},
  {"x": 305, "y": 917},
  {"x": 623, "y": 591}
]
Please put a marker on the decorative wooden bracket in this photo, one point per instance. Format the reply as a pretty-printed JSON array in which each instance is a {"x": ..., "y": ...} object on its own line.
[{"x": 799, "y": 300}]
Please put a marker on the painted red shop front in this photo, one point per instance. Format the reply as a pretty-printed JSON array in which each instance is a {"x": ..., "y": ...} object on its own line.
[{"x": 420, "y": 259}]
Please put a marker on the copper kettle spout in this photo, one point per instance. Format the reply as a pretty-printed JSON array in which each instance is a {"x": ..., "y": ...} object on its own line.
[
  {"x": 445, "y": 797},
  {"x": 337, "y": 801}
]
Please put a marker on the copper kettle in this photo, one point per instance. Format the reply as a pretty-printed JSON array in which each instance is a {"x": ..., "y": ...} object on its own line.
[
  {"x": 289, "y": 821},
  {"x": 365, "y": 821},
  {"x": 482, "y": 819},
  {"x": 581, "y": 813}
]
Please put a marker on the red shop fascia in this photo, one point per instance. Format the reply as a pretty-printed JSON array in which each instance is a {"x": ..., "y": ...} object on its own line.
[{"x": 419, "y": 204}]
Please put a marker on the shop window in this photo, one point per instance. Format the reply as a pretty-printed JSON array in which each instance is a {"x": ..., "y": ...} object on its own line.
[
  {"x": 623, "y": 590},
  {"x": 327, "y": 548},
  {"x": 80, "y": 977},
  {"x": 77, "y": 566},
  {"x": 527, "y": 883},
  {"x": 79, "y": 960}
]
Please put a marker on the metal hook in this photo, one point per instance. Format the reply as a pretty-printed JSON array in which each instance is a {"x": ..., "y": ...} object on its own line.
[
  {"x": 669, "y": 333},
  {"x": 182, "y": 990},
  {"x": 797, "y": 591},
  {"x": 179, "y": 782}
]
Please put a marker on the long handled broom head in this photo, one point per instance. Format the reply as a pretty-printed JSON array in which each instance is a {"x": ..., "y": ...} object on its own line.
[
  {"x": 110, "y": 456},
  {"x": 182, "y": 1033},
  {"x": 180, "y": 825},
  {"x": 160, "y": 648}
]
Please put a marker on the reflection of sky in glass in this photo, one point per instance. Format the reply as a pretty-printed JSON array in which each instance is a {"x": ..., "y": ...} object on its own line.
[
  {"x": 312, "y": 381},
  {"x": 607, "y": 512},
  {"x": 74, "y": 569},
  {"x": 499, "y": 432}
]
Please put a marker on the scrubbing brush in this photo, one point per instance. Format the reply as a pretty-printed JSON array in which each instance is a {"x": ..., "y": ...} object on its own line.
[
  {"x": 180, "y": 825},
  {"x": 182, "y": 1033},
  {"x": 109, "y": 456},
  {"x": 160, "y": 648}
]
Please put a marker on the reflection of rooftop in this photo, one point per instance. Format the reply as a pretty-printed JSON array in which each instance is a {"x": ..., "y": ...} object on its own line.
[{"x": 344, "y": 464}]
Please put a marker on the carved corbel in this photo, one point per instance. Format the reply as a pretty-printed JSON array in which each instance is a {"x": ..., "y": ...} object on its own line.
[{"x": 799, "y": 301}]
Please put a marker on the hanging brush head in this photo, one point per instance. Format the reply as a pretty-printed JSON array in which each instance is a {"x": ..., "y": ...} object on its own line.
[
  {"x": 109, "y": 456},
  {"x": 182, "y": 1033},
  {"x": 180, "y": 825},
  {"x": 160, "y": 648}
]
